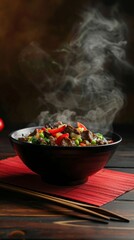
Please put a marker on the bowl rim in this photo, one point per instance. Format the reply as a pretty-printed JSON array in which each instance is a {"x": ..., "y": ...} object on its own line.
[{"x": 13, "y": 139}]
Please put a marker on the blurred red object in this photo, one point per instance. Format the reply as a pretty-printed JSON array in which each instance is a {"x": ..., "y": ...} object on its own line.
[{"x": 2, "y": 125}]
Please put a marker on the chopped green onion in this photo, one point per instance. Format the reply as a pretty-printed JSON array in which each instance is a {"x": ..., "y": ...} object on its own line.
[
  {"x": 34, "y": 139},
  {"x": 47, "y": 139},
  {"x": 29, "y": 140},
  {"x": 100, "y": 136}
]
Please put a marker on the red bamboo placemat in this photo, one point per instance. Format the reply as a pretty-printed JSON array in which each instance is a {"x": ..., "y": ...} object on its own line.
[{"x": 101, "y": 188}]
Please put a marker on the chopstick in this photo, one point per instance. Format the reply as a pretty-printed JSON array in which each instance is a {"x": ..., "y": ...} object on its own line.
[
  {"x": 100, "y": 214},
  {"x": 112, "y": 215},
  {"x": 100, "y": 217}
]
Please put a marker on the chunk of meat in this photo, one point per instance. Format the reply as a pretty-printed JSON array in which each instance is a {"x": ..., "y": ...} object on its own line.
[
  {"x": 70, "y": 129},
  {"x": 67, "y": 142},
  {"x": 87, "y": 135}
]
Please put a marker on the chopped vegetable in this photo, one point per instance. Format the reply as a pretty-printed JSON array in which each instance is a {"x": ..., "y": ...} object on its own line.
[
  {"x": 81, "y": 126},
  {"x": 56, "y": 130},
  {"x": 60, "y": 138},
  {"x": 99, "y": 135},
  {"x": 82, "y": 144},
  {"x": 77, "y": 142},
  {"x": 41, "y": 134},
  {"x": 93, "y": 141}
]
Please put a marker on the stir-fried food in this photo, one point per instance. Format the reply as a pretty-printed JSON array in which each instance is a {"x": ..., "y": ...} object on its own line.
[{"x": 61, "y": 134}]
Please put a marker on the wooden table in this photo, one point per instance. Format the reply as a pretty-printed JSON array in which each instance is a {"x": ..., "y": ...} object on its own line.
[{"x": 23, "y": 217}]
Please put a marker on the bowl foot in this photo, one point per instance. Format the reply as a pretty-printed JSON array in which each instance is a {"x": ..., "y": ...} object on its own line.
[{"x": 63, "y": 182}]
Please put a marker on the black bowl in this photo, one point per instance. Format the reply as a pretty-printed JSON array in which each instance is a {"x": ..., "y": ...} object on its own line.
[{"x": 63, "y": 165}]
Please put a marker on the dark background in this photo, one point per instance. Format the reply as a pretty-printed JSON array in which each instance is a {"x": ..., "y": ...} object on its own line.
[{"x": 49, "y": 23}]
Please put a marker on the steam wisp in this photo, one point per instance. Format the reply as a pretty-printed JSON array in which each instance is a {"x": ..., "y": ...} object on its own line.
[{"x": 80, "y": 82}]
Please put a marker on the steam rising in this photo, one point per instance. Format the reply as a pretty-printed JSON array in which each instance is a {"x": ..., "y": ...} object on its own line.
[{"x": 80, "y": 82}]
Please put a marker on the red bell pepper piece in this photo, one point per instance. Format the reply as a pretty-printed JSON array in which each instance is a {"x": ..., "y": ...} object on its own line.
[
  {"x": 56, "y": 130},
  {"x": 83, "y": 144},
  {"x": 59, "y": 139},
  {"x": 43, "y": 129},
  {"x": 80, "y": 125}
]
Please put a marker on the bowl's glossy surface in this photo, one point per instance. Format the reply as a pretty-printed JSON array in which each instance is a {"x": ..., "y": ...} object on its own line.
[{"x": 63, "y": 165}]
